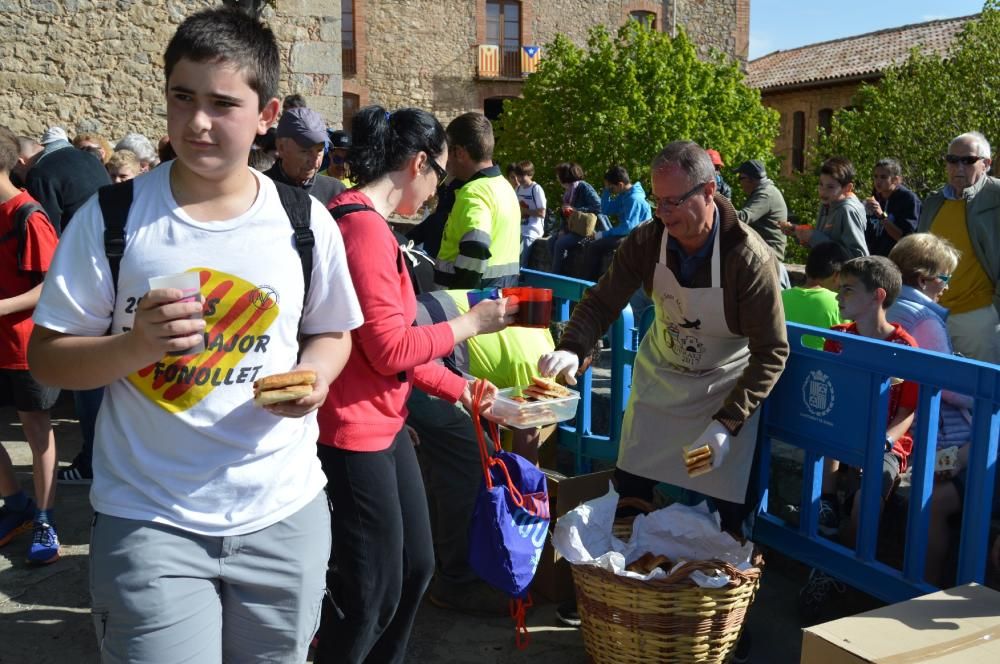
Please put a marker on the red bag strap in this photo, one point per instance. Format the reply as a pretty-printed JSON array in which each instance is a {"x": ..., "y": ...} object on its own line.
[{"x": 479, "y": 389}]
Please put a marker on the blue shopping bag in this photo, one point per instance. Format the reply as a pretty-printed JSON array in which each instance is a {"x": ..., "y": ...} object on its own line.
[{"x": 510, "y": 521}]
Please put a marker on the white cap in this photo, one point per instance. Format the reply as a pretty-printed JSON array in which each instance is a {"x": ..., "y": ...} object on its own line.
[{"x": 53, "y": 134}]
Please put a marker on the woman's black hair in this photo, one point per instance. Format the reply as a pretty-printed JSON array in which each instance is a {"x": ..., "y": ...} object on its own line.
[{"x": 383, "y": 142}]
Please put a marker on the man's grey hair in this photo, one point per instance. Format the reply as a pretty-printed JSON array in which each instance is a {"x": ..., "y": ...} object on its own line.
[
  {"x": 690, "y": 157},
  {"x": 140, "y": 145},
  {"x": 982, "y": 145}
]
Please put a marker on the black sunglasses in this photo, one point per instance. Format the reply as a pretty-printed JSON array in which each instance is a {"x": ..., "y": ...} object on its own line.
[
  {"x": 440, "y": 172},
  {"x": 666, "y": 202},
  {"x": 967, "y": 161}
]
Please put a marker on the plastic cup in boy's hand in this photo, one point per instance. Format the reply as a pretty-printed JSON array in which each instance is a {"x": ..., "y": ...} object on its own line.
[{"x": 189, "y": 284}]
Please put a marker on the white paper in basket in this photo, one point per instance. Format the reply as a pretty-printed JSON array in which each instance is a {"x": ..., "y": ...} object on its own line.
[{"x": 681, "y": 533}]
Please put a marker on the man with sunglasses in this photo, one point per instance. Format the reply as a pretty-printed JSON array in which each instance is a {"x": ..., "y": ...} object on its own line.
[{"x": 966, "y": 212}]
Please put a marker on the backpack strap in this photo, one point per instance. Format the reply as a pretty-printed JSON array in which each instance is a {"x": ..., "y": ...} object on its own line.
[
  {"x": 20, "y": 228},
  {"x": 115, "y": 201},
  {"x": 348, "y": 208},
  {"x": 298, "y": 207}
]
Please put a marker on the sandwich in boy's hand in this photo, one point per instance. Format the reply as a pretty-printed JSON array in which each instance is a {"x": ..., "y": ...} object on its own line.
[
  {"x": 698, "y": 460},
  {"x": 283, "y": 387}
]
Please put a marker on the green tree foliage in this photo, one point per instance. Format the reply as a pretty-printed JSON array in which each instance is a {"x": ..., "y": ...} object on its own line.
[
  {"x": 911, "y": 114},
  {"x": 622, "y": 99}
]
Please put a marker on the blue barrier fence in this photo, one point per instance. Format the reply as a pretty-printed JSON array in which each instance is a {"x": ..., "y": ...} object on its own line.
[{"x": 832, "y": 406}]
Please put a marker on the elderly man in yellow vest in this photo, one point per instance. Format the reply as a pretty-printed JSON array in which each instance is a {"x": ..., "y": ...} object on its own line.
[{"x": 967, "y": 213}]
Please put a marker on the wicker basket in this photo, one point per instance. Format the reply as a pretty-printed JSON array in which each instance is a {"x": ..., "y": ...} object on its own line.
[{"x": 627, "y": 621}]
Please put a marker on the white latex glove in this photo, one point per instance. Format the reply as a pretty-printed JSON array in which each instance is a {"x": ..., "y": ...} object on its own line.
[
  {"x": 559, "y": 363},
  {"x": 717, "y": 437}
]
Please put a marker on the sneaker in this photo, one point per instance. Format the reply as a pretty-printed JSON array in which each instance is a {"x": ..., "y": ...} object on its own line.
[
  {"x": 568, "y": 614},
  {"x": 815, "y": 595},
  {"x": 74, "y": 474},
  {"x": 829, "y": 520},
  {"x": 14, "y": 523},
  {"x": 44, "y": 544},
  {"x": 474, "y": 597}
]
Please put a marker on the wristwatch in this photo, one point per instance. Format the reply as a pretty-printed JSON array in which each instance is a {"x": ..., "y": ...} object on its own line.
[{"x": 888, "y": 443}]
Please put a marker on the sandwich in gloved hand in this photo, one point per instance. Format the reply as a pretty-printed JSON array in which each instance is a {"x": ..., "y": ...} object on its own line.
[{"x": 287, "y": 386}]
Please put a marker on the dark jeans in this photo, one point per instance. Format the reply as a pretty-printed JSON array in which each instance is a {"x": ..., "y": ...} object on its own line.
[
  {"x": 595, "y": 252},
  {"x": 87, "y": 403},
  {"x": 382, "y": 550},
  {"x": 559, "y": 245},
  {"x": 449, "y": 455}
]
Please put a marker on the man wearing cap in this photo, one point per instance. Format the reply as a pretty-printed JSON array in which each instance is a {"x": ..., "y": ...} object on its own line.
[
  {"x": 340, "y": 143},
  {"x": 60, "y": 177},
  {"x": 720, "y": 182},
  {"x": 765, "y": 207},
  {"x": 301, "y": 139}
]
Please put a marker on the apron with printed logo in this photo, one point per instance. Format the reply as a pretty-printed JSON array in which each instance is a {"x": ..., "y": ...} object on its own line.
[{"x": 687, "y": 364}]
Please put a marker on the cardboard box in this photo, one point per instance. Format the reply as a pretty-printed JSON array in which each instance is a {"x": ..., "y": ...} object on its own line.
[
  {"x": 955, "y": 626},
  {"x": 553, "y": 579}
]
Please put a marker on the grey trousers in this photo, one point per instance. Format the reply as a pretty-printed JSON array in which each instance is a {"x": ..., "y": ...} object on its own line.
[
  {"x": 162, "y": 595},
  {"x": 449, "y": 456}
]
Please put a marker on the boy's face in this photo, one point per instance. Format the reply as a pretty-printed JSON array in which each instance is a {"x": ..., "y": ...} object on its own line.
[
  {"x": 855, "y": 300},
  {"x": 213, "y": 117},
  {"x": 886, "y": 182},
  {"x": 523, "y": 180},
  {"x": 831, "y": 191},
  {"x": 123, "y": 173}
]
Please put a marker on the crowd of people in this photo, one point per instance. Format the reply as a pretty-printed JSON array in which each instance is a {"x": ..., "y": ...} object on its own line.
[{"x": 220, "y": 526}]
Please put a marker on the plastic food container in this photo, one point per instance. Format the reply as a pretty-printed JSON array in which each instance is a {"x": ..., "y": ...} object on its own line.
[
  {"x": 534, "y": 305},
  {"x": 531, "y": 414},
  {"x": 477, "y": 296}
]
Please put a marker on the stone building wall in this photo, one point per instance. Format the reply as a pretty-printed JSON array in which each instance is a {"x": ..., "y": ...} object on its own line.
[
  {"x": 810, "y": 102},
  {"x": 97, "y": 65},
  {"x": 424, "y": 52}
]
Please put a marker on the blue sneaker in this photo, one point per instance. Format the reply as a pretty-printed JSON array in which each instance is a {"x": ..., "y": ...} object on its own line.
[
  {"x": 14, "y": 523},
  {"x": 44, "y": 544}
]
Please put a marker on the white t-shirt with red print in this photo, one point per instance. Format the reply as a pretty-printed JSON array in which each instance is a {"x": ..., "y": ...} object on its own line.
[{"x": 180, "y": 442}]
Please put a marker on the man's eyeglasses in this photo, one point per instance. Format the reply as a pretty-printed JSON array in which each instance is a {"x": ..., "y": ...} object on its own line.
[
  {"x": 966, "y": 161},
  {"x": 677, "y": 202},
  {"x": 945, "y": 278},
  {"x": 338, "y": 159},
  {"x": 440, "y": 172}
]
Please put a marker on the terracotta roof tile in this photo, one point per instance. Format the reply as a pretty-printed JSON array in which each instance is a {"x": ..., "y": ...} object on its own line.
[{"x": 852, "y": 57}]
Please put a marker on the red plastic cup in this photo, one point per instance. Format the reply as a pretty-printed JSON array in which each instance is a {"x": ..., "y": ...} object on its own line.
[{"x": 534, "y": 305}]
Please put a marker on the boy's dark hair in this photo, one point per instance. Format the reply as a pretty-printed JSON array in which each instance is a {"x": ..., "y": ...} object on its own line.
[
  {"x": 617, "y": 175},
  {"x": 473, "y": 132},
  {"x": 293, "y": 101},
  {"x": 875, "y": 272},
  {"x": 825, "y": 260},
  {"x": 227, "y": 35},
  {"x": 382, "y": 142},
  {"x": 840, "y": 169},
  {"x": 524, "y": 169},
  {"x": 568, "y": 172},
  {"x": 9, "y": 150}
]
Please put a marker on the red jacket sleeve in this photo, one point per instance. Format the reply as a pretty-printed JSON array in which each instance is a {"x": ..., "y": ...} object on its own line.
[
  {"x": 434, "y": 378},
  {"x": 388, "y": 339}
]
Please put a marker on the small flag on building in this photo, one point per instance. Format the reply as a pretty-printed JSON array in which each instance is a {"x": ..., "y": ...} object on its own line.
[{"x": 530, "y": 55}]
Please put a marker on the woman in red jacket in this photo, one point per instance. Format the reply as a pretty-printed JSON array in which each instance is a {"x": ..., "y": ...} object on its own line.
[{"x": 381, "y": 529}]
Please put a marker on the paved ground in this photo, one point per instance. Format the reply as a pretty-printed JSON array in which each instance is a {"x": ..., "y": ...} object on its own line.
[{"x": 44, "y": 616}]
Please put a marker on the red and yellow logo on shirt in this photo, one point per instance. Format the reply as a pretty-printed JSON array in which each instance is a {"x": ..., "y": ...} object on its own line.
[{"x": 237, "y": 317}]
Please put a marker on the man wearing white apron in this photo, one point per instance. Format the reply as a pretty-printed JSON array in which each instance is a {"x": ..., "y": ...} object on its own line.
[{"x": 715, "y": 350}]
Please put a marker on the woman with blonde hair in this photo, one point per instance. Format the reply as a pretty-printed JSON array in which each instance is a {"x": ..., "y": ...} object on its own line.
[{"x": 84, "y": 141}]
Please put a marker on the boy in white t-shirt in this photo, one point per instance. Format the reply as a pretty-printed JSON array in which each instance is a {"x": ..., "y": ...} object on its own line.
[
  {"x": 212, "y": 534},
  {"x": 531, "y": 196}
]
